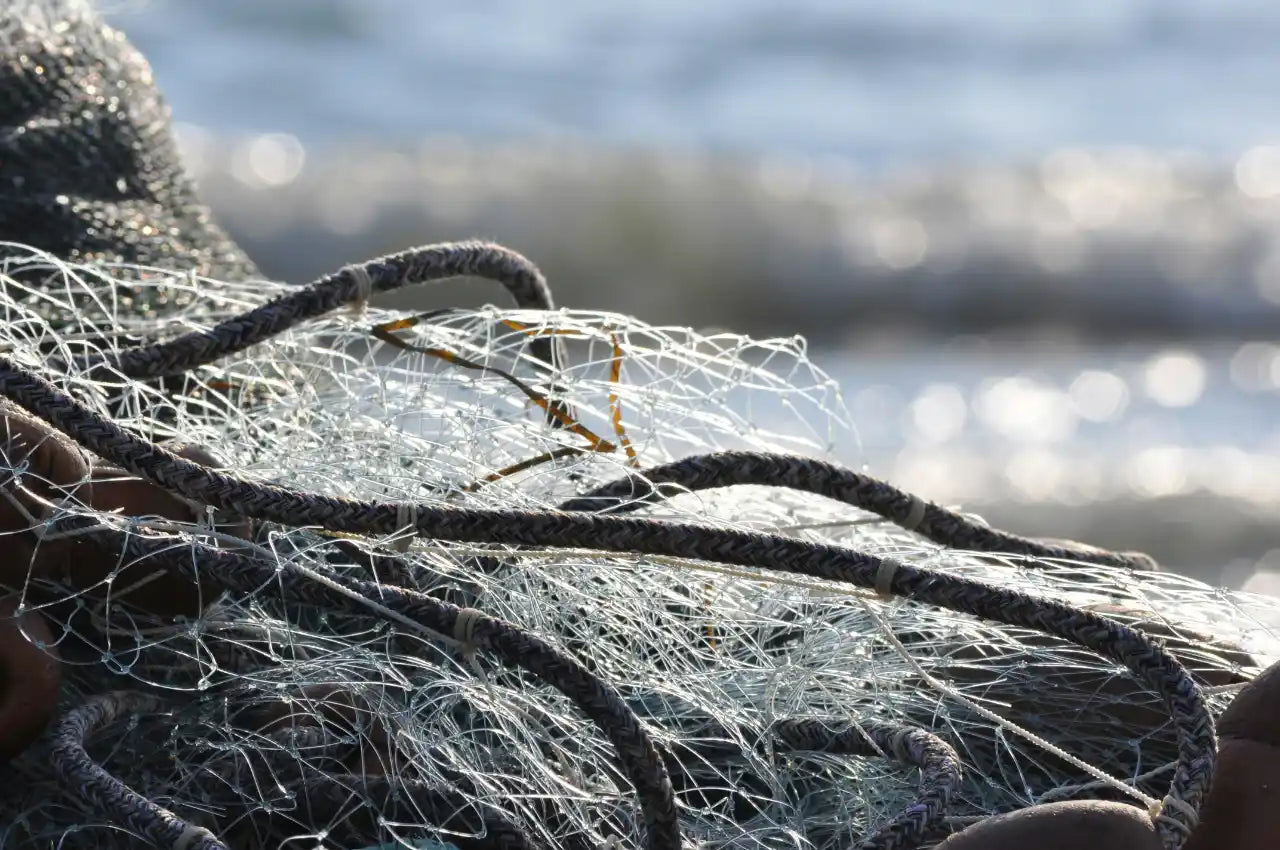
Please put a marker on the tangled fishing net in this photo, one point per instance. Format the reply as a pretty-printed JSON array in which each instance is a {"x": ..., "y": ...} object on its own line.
[
  {"x": 286, "y": 569},
  {"x": 272, "y": 686}
]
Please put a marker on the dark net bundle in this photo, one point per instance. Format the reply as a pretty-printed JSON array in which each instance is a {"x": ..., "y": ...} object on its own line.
[
  {"x": 280, "y": 573},
  {"x": 89, "y": 170}
]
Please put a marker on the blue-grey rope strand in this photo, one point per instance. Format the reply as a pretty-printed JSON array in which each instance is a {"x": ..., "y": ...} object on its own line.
[
  {"x": 730, "y": 468},
  {"x": 940, "y": 770},
  {"x": 418, "y": 265},
  {"x": 74, "y": 767}
]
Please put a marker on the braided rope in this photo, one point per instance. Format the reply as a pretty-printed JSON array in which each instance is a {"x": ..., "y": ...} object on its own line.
[
  {"x": 940, "y": 765},
  {"x": 445, "y": 807},
  {"x": 78, "y": 770},
  {"x": 637, "y": 755},
  {"x": 730, "y": 468},
  {"x": 940, "y": 770},
  {"x": 1147, "y": 659},
  {"x": 349, "y": 285}
]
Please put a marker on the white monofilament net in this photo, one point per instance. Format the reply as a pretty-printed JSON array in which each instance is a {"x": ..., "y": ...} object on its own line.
[{"x": 256, "y": 693}]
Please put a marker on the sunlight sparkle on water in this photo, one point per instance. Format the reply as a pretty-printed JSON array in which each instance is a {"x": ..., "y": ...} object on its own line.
[
  {"x": 1098, "y": 395},
  {"x": 1175, "y": 378},
  {"x": 1158, "y": 471},
  {"x": 1026, "y": 410},
  {"x": 1256, "y": 367},
  {"x": 1258, "y": 172},
  {"x": 900, "y": 243},
  {"x": 938, "y": 414},
  {"x": 269, "y": 161}
]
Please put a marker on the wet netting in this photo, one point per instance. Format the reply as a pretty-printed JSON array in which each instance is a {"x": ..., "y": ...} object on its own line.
[{"x": 284, "y": 569}]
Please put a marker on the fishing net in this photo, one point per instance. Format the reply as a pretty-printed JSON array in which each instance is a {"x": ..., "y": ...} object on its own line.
[
  {"x": 89, "y": 169},
  {"x": 300, "y": 701},
  {"x": 287, "y": 569}
]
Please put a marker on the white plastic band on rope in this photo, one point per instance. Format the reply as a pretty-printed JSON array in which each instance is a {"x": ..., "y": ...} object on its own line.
[
  {"x": 884, "y": 576},
  {"x": 364, "y": 288},
  {"x": 407, "y": 520},
  {"x": 464, "y": 629},
  {"x": 916, "y": 515}
]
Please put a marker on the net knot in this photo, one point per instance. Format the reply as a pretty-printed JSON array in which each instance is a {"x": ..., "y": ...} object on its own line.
[{"x": 51, "y": 524}]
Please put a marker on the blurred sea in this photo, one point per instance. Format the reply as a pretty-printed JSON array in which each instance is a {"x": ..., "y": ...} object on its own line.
[{"x": 1038, "y": 246}]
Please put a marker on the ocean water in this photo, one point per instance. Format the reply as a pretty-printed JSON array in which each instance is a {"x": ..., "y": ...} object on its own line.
[
  {"x": 1038, "y": 246},
  {"x": 875, "y": 81}
]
